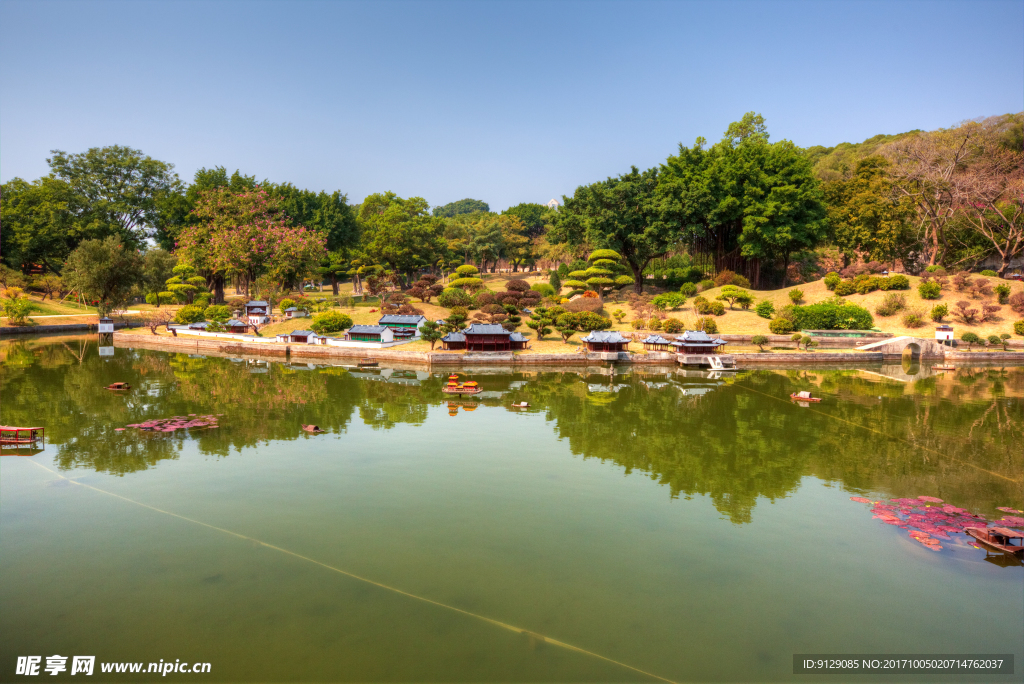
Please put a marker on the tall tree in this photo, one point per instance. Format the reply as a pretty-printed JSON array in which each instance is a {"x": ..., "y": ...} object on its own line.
[
  {"x": 105, "y": 271},
  {"x": 400, "y": 234},
  {"x": 121, "y": 190},
  {"x": 41, "y": 223},
  {"x": 536, "y": 217},
  {"x": 624, "y": 214}
]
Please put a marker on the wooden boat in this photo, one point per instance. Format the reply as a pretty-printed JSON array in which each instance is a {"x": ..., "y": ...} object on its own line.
[
  {"x": 944, "y": 366},
  {"x": 20, "y": 435},
  {"x": 521, "y": 405},
  {"x": 314, "y": 429},
  {"x": 461, "y": 389},
  {"x": 118, "y": 386},
  {"x": 803, "y": 396},
  {"x": 998, "y": 538},
  {"x": 366, "y": 363}
]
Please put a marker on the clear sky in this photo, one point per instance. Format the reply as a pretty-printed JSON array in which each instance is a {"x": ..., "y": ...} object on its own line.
[{"x": 506, "y": 102}]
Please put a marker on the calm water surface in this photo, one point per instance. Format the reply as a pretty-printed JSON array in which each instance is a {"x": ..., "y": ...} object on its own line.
[{"x": 691, "y": 527}]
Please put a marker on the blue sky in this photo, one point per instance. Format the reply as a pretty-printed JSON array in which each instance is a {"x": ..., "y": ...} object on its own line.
[{"x": 506, "y": 102}]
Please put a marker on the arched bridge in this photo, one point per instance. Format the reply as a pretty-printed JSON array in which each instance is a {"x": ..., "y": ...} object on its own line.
[{"x": 897, "y": 346}]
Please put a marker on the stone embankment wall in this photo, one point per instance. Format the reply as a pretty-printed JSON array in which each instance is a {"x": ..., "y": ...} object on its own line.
[
  {"x": 981, "y": 356},
  {"x": 48, "y": 329},
  {"x": 757, "y": 359}
]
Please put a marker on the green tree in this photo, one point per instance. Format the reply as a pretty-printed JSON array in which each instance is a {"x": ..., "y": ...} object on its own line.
[
  {"x": 536, "y": 217},
  {"x": 122, "y": 191},
  {"x": 624, "y": 214},
  {"x": 104, "y": 271},
  {"x": 42, "y": 223},
  {"x": 157, "y": 268},
  {"x": 463, "y": 206},
  {"x": 16, "y": 306},
  {"x": 431, "y": 332},
  {"x": 330, "y": 322},
  {"x": 399, "y": 233}
]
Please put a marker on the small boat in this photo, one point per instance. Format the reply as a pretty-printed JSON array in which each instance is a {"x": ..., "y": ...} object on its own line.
[
  {"x": 803, "y": 396},
  {"x": 313, "y": 429},
  {"x": 998, "y": 538},
  {"x": 118, "y": 386},
  {"x": 20, "y": 435},
  {"x": 366, "y": 363},
  {"x": 521, "y": 405},
  {"x": 944, "y": 366}
]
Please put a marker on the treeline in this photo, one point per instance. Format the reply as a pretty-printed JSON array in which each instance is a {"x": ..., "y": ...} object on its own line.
[{"x": 770, "y": 211}]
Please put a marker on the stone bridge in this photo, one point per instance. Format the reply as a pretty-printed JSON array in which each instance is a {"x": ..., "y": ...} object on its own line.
[{"x": 896, "y": 347}]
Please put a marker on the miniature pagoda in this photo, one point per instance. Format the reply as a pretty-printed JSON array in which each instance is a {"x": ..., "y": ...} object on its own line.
[
  {"x": 697, "y": 342},
  {"x": 605, "y": 341}
]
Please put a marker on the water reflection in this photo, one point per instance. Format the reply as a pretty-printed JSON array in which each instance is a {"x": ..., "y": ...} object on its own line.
[{"x": 735, "y": 438}]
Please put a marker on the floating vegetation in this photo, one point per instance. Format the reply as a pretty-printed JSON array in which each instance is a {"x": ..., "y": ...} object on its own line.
[
  {"x": 176, "y": 423},
  {"x": 930, "y": 520}
]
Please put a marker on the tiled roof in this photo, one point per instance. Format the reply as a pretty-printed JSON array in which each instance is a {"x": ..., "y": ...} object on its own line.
[
  {"x": 485, "y": 329},
  {"x": 256, "y": 302},
  {"x": 656, "y": 339},
  {"x": 235, "y": 321},
  {"x": 291, "y": 308},
  {"x": 517, "y": 337},
  {"x": 696, "y": 338},
  {"x": 454, "y": 337},
  {"x": 368, "y": 329},
  {"x": 605, "y": 337},
  {"x": 395, "y": 318},
  {"x": 303, "y": 333}
]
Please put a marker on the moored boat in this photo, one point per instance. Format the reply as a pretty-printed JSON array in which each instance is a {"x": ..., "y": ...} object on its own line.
[
  {"x": 803, "y": 396},
  {"x": 999, "y": 538},
  {"x": 12, "y": 435}
]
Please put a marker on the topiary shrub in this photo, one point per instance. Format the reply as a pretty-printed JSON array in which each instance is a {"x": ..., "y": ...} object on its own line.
[
  {"x": 896, "y": 282},
  {"x": 219, "y": 313},
  {"x": 286, "y": 303},
  {"x": 1016, "y": 302},
  {"x": 470, "y": 284},
  {"x": 865, "y": 284},
  {"x": 483, "y": 299},
  {"x": 584, "y": 304},
  {"x": 668, "y": 300},
  {"x": 765, "y": 309},
  {"x": 1002, "y": 291},
  {"x": 158, "y": 298},
  {"x": 740, "y": 281},
  {"x": 780, "y": 326},
  {"x": 706, "y": 324},
  {"x": 989, "y": 273},
  {"x": 939, "y": 311},
  {"x": 930, "y": 290},
  {"x": 190, "y": 313},
  {"x": 654, "y": 323},
  {"x": 672, "y": 326},
  {"x": 1018, "y": 327},
  {"x": 831, "y": 280},
  {"x": 330, "y": 322},
  {"x": 517, "y": 285},
  {"x": 453, "y": 297},
  {"x": 760, "y": 341},
  {"x": 688, "y": 289},
  {"x": 467, "y": 270},
  {"x": 705, "y": 285},
  {"x": 796, "y": 295},
  {"x": 828, "y": 316},
  {"x": 970, "y": 338}
]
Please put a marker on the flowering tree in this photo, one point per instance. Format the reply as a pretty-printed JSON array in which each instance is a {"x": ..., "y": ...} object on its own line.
[{"x": 247, "y": 234}]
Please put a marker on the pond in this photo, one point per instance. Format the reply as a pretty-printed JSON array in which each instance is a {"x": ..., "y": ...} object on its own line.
[{"x": 629, "y": 525}]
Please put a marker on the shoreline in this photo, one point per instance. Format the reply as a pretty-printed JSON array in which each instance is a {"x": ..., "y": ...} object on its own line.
[{"x": 442, "y": 358}]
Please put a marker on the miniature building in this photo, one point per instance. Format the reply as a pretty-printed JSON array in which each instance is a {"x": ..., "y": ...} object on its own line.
[
  {"x": 657, "y": 343},
  {"x": 605, "y": 341},
  {"x": 697, "y": 342},
  {"x": 302, "y": 337},
  {"x": 370, "y": 333},
  {"x": 237, "y": 326},
  {"x": 257, "y": 312},
  {"x": 199, "y": 325},
  {"x": 944, "y": 333},
  {"x": 294, "y": 312},
  {"x": 490, "y": 337},
  {"x": 453, "y": 340},
  {"x": 403, "y": 326},
  {"x": 106, "y": 325}
]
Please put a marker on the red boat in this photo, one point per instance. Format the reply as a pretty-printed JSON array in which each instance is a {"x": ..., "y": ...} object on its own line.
[
  {"x": 998, "y": 538},
  {"x": 19, "y": 436},
  {"x": 803, "y": 396}
]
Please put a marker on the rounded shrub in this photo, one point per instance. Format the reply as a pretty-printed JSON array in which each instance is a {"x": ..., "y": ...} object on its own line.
[
  {"x": 219, "y": 313},
  {"x": 706, "y": 324},
  {"x": 157, "y": 298},
  {"x": 896, "y": 282},
  {"x": 1018, "y": 327},
  {"x": 190, "y": 313},
  {"x": 286, "y": 303},
  {"x": 989, "y": 273},
  {"x": 467, "y": 270},
  {"x": 471, "y": 284},
  {"x": 832, "y": 279},
  {"x": 780, "y": 326},
  {"x": 938, "y": 312},
  {"x": 688, "y": 289},
  {"x": 765, "y": 309},
  {"x": 453, "y": 296},
  {"x": 1002, "y": 291},
  {"x": 706, "y": 284},
  {"x": 796, "y": 295},
  {"x": 845, "y": 288},
  {"x": 654, "y": 324},
  {"x": 913, "y": 319},
  {"x": 740, "y": 281},
  {"x": 929, "y": 290},
  {"x": 330, "y": 322},
  {"x": 545, "y": 289},
  {"x": 672, "y": 326}
]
